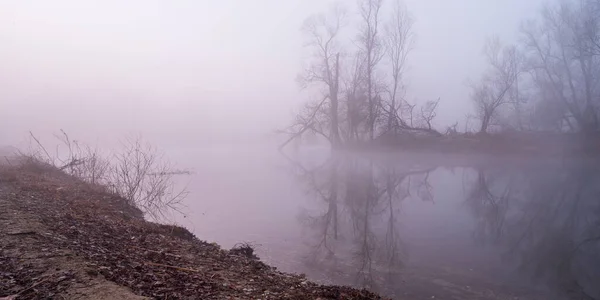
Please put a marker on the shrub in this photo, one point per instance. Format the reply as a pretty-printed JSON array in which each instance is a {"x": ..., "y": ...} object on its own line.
[{"x": 138, "y": 172}]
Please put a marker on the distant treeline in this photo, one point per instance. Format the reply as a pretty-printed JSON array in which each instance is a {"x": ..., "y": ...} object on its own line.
[{"x": 547, "y": 82}]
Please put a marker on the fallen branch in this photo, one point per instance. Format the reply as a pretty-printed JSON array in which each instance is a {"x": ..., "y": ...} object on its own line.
[
  {"x": 295, "y": 135},
  {"x": 22, "y": 232},
  {"x": 307, "y": 125}
]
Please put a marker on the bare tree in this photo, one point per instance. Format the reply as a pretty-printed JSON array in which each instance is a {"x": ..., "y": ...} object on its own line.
[
  {"x": 368, "y": 108},
  {"x": 428, "y": 113},
  {"x": 355, "y": 97},
  {"x": 399, "y": 41},
  {"x": 141, "y": 175},
  {"x": 406, "y": 113},
  {"x": 371, "y": 46},
  {"x": 592, "y": 25},
  {"x": 564, "y": 58},
  {"x": 323, "y": 38},
  {"x": 493, "y": 88}
]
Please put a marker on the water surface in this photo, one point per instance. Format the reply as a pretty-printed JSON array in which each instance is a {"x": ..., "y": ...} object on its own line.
[{"x": 407, "y": 225}]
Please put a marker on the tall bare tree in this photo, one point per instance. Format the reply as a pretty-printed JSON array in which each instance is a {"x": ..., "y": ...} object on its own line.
[
  {"x": 563, "y": 54},
  {"x": 371, "y": 47},
  {"x": 323, "y": 33},
  {"x": 492, "y": 91},
  {"x": 399, "y": 40},
  {"x": 355, "y": 97},
  {"x": 369, "y": 110}
]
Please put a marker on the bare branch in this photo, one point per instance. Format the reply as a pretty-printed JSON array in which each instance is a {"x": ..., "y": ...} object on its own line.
[
  {"x": 399, "y": 42},
  {"x": 491, "y": 92}
]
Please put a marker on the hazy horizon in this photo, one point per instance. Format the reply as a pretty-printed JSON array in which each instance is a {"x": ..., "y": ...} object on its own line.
[
  {"x": 197, "y": 72},
  {"x": 368, "y": 182}
]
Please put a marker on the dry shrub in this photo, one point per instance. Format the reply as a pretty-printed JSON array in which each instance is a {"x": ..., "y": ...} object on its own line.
[
  {"x": 141, "y": 174},
  {"x": 138, "y": 172}
]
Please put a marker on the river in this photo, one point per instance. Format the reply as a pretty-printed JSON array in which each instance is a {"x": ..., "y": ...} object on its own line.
[{"x": 405, "y": 225}]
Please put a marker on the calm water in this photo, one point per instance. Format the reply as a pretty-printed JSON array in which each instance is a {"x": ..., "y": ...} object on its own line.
[{"x": 406, "y": 225}]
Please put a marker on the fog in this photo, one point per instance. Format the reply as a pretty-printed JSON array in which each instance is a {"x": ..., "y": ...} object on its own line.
[
  {"x": 205, "y": 80},
  {"x": 206, "y": 72}
]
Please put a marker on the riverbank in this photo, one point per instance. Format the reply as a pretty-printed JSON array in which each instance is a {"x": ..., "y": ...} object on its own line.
[{"x": 64, "y": 239}]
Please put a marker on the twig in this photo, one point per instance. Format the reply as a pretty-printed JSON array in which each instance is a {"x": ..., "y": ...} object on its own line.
[
  {"x": 174, "y": 172},
  {"x": 22, "y": 232},
  {"x": 41, "y": 146}
]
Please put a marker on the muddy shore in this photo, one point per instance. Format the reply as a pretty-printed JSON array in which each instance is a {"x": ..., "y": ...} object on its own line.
[{"x": 63, "y": 239}]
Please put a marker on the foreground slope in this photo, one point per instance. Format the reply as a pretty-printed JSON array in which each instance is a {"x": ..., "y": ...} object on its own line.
[{"x": 61, "y": 238}]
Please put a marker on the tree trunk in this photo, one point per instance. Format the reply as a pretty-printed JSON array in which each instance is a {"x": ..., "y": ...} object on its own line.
[
  {"x": 333, "y": 95},
  {"x": 485, "y": 122},
  {"x": 370, "y": 92},
  {"x": 334, "y": 197}
]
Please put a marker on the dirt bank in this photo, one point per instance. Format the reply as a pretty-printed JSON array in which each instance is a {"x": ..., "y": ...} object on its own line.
[{"x": 62, "y": 239}]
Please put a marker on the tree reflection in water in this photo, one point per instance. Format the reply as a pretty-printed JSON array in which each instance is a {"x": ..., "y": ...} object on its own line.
[
  {"x": 545, "y": 219},
  {"x": 356, "y": 236}
]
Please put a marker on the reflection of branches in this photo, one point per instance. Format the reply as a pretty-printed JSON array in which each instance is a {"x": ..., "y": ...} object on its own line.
[
  {"x": 377, "y": 192},
  {"x": 361, "y": 197},
  {"x": 363, "y": 202},
  {"x": 327, "y": 190},
  {"x": 595, "y": 239},
  {"x": 395, "y": 191},
  {"x": 552, "y": 230},
  {"x": 424, "y": 188},
  {"x": 491, "y": 209}
]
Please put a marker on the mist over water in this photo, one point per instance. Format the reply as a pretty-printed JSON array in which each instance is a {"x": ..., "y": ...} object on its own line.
[
  {"x": 219, "y": 85},
  {"x": 453, "y": 227}
]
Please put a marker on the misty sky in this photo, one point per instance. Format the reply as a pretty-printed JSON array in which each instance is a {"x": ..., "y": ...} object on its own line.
[{"x": 199, "y": 71}]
